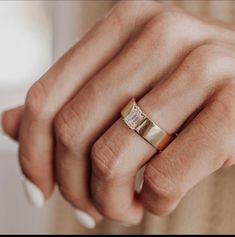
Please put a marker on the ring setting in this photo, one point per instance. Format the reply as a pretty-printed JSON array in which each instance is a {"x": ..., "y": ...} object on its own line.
[{"x": 138, "y": 121}]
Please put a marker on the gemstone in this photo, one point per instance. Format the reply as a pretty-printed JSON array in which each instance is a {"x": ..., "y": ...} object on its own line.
[{"x": 134, "y": 118}]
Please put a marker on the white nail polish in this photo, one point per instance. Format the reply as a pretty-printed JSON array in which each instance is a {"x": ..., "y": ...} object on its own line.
[
  {"x": 33, "y": 194},
  {"x": 139, "y": 187},
  {"x": 84, "y": 219},
  {"x": 1, "y": 127}
]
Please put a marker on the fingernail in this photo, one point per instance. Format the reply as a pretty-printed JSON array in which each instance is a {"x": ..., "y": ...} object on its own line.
[
  {"x": 33, "y": 194},
  {"x": 1, "y": 125},
  {"x": 84, "y": 219},
  {"x": 139, "y": 187}
]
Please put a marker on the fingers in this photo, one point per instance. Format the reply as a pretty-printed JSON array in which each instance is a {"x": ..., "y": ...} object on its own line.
[
  {"x": 160, "y": 38},
  {"x": 116, "y": 159},
  {"x": 11, "y": 122},
  {"x": 63, "y": 80},
  {"x": 201, "y": 149},
  {"x": 97, "y": 104},
  {"x": 120, "y": 153},
  {"x": 84, "y": 116}
]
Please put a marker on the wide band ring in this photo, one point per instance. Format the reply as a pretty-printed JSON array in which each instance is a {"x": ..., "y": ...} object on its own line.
[{"x": 138, "y": 121}]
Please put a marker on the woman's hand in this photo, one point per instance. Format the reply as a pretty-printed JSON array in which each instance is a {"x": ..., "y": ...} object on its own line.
[{"x": 180, "y": 68}]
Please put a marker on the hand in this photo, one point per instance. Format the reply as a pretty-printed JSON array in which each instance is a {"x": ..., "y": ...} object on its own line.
[{"x": 179, "y": 67}]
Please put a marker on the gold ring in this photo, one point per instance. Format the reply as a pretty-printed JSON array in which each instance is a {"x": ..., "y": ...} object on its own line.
[{"x": 138, "y": 121}]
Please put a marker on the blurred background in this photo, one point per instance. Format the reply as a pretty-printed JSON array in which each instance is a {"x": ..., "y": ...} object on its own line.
[{"x": 33, "y": 35}]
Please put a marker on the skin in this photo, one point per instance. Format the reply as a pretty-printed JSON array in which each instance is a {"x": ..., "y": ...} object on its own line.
[{"x": 179, "y": 68}]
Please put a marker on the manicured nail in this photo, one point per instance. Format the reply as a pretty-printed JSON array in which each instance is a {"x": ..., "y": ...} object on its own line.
[
  {"x": 84, "y": 219},
  {"x": 139, "y": 187},
  {"x": 33, "y": 194},
  {"x": 1, "y": 127}
]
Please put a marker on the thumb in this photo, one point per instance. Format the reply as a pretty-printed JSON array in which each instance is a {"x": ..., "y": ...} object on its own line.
[{"x": 10, "y": 122}]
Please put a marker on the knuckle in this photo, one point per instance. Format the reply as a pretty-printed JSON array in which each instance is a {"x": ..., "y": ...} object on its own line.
[
  {"x": 127, "y": 15},
  {"x": 72, "y": 118},
  {"x": 162, "y": 186},
  {"x": 123, "y": 12},
  {"x": 36, "y": 101},
  {"x": 105, "y": 160},
  {"x": 207, "y": 63},
  {"x": 168, "y": 18},
  {"x": 210, "y": 56},
  {"x": 164, "y": 27},
  {"x": 64, "y": 130}
]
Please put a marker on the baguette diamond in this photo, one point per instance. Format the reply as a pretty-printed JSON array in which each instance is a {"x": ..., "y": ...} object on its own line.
[
  {"x": 138, "y": 121},
  {"x": 134, "y": 118}
]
